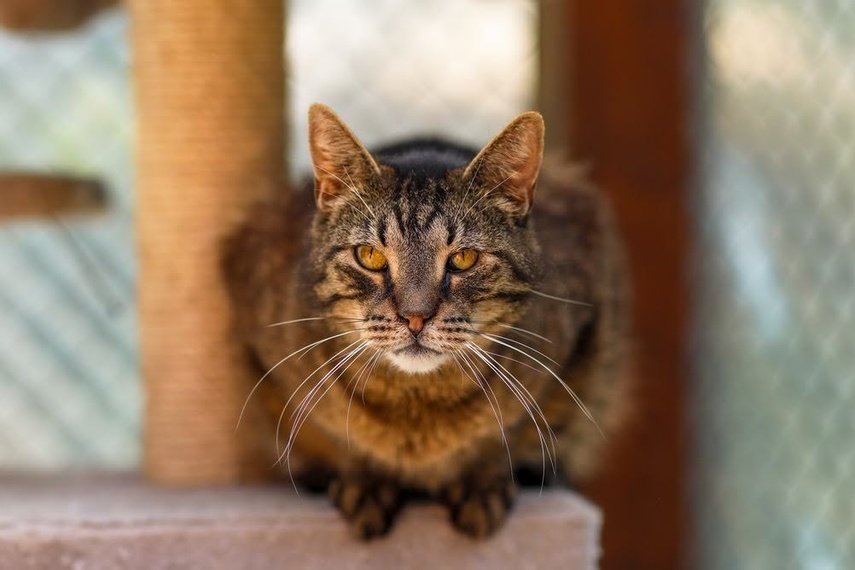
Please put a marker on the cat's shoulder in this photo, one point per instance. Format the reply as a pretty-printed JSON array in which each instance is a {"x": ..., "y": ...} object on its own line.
[
  {"x": 565, "y": 192},
  {"x": 267, "y": 238}
]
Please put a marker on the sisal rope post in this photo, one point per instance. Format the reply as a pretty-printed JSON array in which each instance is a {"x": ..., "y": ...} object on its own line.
[{"x": 209, "y": 90}]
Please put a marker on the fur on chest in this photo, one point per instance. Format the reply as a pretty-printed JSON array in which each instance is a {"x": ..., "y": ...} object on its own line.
[{"x": 422, "y": 443}]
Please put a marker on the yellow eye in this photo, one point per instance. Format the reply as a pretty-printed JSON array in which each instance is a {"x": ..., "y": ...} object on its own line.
[
  {"x": 370, "y": 258},
  {"x": 462, "y": 260}
]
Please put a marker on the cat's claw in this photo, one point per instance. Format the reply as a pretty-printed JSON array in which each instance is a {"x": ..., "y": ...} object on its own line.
[
  {"x": 370, "y": 505},
  {"x": 478, "y": 509}
]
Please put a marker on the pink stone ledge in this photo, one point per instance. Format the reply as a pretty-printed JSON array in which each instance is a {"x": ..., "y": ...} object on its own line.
[{"x": 94, "y": 522}]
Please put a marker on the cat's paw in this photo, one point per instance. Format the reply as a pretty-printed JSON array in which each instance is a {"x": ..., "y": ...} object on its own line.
[
  {"x": 479, "y": 508},
  {"x": 370, "y": 505}
]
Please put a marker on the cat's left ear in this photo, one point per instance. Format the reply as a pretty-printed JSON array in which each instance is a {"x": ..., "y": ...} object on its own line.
[
  {"x": 339, "y": 160},
  {"x": 508, "y": 166}
]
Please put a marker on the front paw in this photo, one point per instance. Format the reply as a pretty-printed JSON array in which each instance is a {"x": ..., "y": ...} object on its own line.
[
  {"x": 370, "y": 504},
  {"x": 480, "y": 507}
]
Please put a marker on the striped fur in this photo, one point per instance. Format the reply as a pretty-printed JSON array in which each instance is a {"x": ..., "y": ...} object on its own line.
[{"x": 418, "y": 376}]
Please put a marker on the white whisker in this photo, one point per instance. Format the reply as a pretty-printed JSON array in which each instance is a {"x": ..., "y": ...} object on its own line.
[
  {"x": 305, "y": 349},
  {"x": 567, "y": 388},
  {"x": 517, "y": 360},
  {"x": 529, "y": 404},
  {"x": 370, "y": 372},
  {"x": 496, "y": 407},
  {"x": 355, "y": 382},
  {"x": 496, "y": 337},
  {"x": 306, "y": 379},
  {"x": 303, "y": 411},
  {"x": 306, "y": 319},
  {"x": 515, "y": 328},
  {"x": 561, "y": 299}
]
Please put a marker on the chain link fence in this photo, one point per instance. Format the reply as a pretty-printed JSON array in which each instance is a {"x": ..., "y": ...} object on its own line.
[
  {"x": 775, "y": 360},
  {"x": 69, "y": 380},
  {"x": 69, "y": 393}
]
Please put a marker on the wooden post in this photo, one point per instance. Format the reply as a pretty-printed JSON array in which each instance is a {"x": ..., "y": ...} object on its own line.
[
  {"x": 629, "y": 116},
  {"x": 209, "y": 90}
]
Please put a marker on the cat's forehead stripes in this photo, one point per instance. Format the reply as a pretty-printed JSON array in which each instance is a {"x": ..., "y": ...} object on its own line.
[
  {"x": 417, "y": 203},
  {"x": 403, "y": 236},
  {"x": 416, "y": 210}
]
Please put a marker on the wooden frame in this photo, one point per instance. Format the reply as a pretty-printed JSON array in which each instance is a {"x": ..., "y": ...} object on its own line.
[{"x": 628, "y": 117}]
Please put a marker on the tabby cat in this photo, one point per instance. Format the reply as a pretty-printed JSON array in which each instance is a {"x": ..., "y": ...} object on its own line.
[{"x": 420, "y": 327}]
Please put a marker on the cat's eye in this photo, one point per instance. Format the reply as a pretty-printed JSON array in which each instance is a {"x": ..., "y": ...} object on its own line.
[
  {"x": 370, "y": 258},
  {"x": 462, "y": 260}
]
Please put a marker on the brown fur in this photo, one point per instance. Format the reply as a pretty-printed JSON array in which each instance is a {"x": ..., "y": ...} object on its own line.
[{"x": 378, "y": 431}]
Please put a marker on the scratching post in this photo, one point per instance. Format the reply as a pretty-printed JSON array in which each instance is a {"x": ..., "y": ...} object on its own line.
[{"x": 209, "y": 91}]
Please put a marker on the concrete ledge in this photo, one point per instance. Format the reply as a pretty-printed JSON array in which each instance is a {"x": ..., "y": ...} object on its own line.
[{"x": 118, "y": 522}]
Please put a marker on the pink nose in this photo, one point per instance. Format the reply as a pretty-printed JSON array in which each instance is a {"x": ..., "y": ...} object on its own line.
[{"x": 415, "y": 323}]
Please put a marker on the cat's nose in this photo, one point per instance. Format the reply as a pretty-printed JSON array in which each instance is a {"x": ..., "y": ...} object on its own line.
[{"x": 416, "y": 322}]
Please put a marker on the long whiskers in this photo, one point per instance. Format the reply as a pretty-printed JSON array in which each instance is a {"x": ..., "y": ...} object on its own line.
[
  {"x": 576, "y": 399},
  {"x": 365, "y": 370},
  {"x": 302, "y": 350},
  {"x": 306, "y": 319},
  {"x": 529, "y": 403},
  {"x": 560, "y": 299},
  {"x": 496, "y": 338},
  {"x": 482, "y": 383},
  {"x": 307, "y": 406},
  {"x": 517, "y": 360},
  {"x": 380, "y": 353},
  {"x": 514, "y": 328},
  {"x": 339, "y": 354}
]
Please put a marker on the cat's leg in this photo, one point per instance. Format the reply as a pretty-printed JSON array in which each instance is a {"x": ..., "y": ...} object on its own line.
[
  {"x": 368, "y": 501},
  {"x": 481, "y": 500}
]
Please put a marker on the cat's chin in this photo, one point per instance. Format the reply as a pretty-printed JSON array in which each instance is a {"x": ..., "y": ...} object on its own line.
[{"x": 417, "y": 362}]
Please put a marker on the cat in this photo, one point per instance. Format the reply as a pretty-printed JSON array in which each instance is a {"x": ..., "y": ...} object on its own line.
[{"x": 419, "y": 326}]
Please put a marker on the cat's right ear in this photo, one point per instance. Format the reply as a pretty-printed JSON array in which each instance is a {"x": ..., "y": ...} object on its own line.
[
  {"x": 340, "y": 162},
  {"x": 509, "y": 165}
]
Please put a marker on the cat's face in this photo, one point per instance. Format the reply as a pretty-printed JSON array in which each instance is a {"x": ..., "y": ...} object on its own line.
[{"x": 422, "y": 255}]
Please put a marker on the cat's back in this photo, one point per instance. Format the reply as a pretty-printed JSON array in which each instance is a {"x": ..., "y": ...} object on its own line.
[
  {"x": 575, "y": 228},
  {"x": 261, "y": 254},
  {"x": 424, "y": 157}
]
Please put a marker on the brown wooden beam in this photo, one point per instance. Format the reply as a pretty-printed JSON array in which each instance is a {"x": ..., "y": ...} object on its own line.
[
  {"x": 628, "y": 117},
  {"x": 49, "y": 15},
  {"x": 28, "y": 195}
]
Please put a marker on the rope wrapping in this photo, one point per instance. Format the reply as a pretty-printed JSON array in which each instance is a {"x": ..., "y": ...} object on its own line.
[{"x": 209, "y": 88}]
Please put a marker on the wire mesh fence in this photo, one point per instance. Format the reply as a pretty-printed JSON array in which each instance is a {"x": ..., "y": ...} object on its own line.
[
  {"x": 68, "y": 383},
  {"x": 775, "y": 363},
  {"x": 69, "y": 380}
]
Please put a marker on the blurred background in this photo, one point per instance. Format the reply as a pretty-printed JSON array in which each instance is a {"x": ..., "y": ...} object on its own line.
[{"x": 723, "y": 131}]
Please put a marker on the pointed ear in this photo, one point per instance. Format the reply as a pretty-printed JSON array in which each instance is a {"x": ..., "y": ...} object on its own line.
[
  {"x": 339, "y": 160},
  {"x": 508, "y": 166}
]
